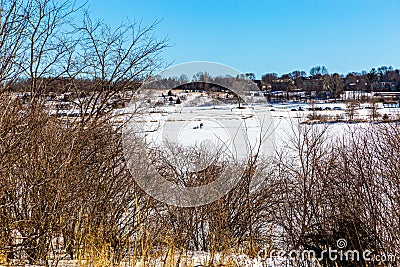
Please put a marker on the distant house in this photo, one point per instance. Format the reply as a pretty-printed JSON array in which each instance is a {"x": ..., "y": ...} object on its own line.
[
  {"x": 282, "y": 84},
  {"x": 265, "y": 86},
  {"x": 316, "y": 87},
  {"x": 314, "y": 84},
  {"x": 385, "y": 86},
  {"x": 297, "y": 94}
]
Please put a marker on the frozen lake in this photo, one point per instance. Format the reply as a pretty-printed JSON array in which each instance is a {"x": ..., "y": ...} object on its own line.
[
  {"x": 228, "y": 128},
  {"x": 239, "y": 131}
]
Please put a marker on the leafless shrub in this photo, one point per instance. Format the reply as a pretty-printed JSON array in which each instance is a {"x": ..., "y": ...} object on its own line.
[{"x": 340, "y": 188}]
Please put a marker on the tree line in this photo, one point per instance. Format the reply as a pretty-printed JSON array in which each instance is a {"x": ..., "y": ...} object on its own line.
[{"x": 319, "y": 80}]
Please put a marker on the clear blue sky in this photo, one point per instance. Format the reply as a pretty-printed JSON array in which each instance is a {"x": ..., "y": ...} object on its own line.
[{"x": 270, "y": 36}]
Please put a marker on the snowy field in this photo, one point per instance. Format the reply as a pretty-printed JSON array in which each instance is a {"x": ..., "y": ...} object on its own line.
[{"x": 201, "y": 121}]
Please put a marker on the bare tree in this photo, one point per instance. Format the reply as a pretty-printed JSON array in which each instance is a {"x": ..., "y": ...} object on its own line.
[
  {"x": 114, "y": 59},
  {"x": 49, "y": 42},
  {"x": 351, "y": 109},
  {"x": 318, "y": 70},
  {"x": 13, "y": 25}
]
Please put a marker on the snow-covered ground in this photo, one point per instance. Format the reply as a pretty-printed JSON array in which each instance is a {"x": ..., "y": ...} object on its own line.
[{"x": 201, "y": 120}]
